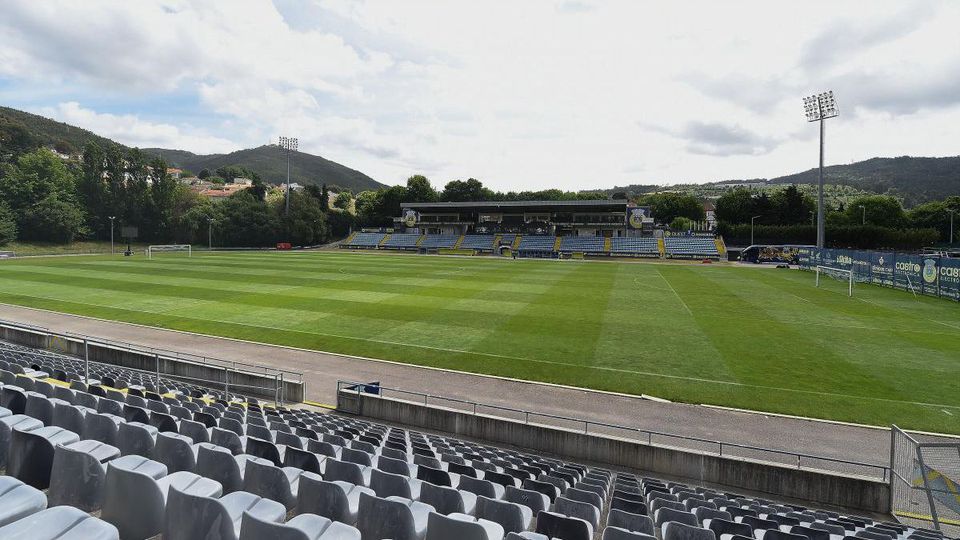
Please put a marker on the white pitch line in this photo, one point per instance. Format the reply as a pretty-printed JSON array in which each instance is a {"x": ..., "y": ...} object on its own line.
[{"x": 685, "y": 306}]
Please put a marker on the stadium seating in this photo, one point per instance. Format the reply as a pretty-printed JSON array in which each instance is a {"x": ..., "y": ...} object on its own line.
[
  {"x": 690, "y": 247},
  {"x": 365, "y": 240},
  {"x": 401, "y": 241},
  {"x": 368, "y": 481},
  {"x": 634, "y": 246},
  {"x": 435, "y": 241},
  {"x": 481, "y": 242},
  {"x": 582, "y": 244},
  {"x": 537, "y": 243}
]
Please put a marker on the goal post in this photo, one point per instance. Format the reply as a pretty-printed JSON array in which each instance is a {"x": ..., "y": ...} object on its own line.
[
  {"x": 167, "y": 248},
  {"x": 839, "y": 274}
]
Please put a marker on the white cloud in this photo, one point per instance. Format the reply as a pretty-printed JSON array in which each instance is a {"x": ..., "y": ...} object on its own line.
[
  {"x": 523, "y": 95},
  {"x": 130, "y": 130}
]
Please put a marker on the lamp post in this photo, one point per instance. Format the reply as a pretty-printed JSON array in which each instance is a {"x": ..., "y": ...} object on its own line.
[
  {"x": 290, "y": 145},
  {"x": 818, "y": 108},
  {"x": 751, "y": 228},
  {"x": 112, "y": 252},
  {"x": 210, "y": 233},
  {"x": 863, "y": 212},
  {"x": 952, "y": 212},
  {"x": 812, "y": 213}
]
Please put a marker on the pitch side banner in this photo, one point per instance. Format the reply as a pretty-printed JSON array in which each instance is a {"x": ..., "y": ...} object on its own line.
[{"x": 931, "y": 275}]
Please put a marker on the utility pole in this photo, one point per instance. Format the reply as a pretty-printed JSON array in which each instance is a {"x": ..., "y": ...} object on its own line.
[
  {"x": 210, "y": 234},
  {"x": 112, "y": 252}
]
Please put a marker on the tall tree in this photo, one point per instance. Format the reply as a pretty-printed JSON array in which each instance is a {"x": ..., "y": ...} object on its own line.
[{"x": 420, "y": 190}]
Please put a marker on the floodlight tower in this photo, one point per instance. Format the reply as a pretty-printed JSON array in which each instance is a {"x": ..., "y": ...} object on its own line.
[
  {"x": 819, "y": 107},
  {"x": 290, "y": 145}
]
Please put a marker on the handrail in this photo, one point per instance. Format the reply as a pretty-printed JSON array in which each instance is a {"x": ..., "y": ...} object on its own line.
[
  {"x": 648, "y": 434},
  {"x": 164, "y": 353}
]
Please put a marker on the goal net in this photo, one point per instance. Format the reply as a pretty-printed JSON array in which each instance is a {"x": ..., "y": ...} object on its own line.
[
  {"x": 829, "y": 275},
  {"x": 169, "y": 248}
]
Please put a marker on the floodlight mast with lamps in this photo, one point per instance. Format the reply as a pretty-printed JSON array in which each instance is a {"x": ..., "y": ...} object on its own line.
[
  {"x": 290, "y": 145},
  {"x": 818, "y": 108}
]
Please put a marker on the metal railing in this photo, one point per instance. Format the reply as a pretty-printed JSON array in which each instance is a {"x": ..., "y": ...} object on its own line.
[
  {"x": 799, "y": 460},
  {"x": 233, "y": 365}
]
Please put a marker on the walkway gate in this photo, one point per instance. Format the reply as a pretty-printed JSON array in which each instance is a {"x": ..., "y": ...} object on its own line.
[{"x": 924, "y": 487}]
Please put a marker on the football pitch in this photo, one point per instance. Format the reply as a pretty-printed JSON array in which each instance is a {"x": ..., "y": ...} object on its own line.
[{"x": 747, "y": 337}]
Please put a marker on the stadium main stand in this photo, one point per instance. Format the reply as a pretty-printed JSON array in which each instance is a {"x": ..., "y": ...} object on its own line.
[
  {"x": 691, "y": 247},
  {"x": 191, "y": 467}
]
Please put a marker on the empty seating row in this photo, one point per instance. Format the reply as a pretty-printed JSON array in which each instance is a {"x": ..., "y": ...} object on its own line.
[
  {"x": 537, "y": 243},
  {"x": 690, "y": 246},
  {"x": 637, "y": 246},
  {"x": 435, "y": 241},
  {"x": 481, "y": 242},
  {"x": 401, "y": 241},
  {"x": 367, "y": 240},
  {"x": 584, "y": 244}
]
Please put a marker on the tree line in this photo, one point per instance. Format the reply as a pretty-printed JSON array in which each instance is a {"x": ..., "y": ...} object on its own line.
[{"x": 869, "y": 221}]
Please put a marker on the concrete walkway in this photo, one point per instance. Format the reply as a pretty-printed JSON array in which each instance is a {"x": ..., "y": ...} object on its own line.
[{"x": 322, "y": 370}]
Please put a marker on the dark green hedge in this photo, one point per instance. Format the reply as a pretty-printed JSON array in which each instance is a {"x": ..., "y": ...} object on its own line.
[{"x": 853, "y": 237}]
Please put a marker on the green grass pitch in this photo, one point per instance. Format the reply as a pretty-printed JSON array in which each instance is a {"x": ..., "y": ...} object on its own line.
[{"x": 745, "y": 337}]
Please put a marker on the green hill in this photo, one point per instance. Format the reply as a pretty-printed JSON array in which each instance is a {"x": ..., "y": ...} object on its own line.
[
  {"x": 915, "y": 179},
  {"x": 41, "y": 131},
  {"x": 23, "y": 131},
  {"x": 271, "y": 164}
]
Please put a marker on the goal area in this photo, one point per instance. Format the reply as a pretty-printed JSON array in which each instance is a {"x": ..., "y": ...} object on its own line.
[
  {"x": 169, "y": 248},
  {"x": 826, "y": 274}
]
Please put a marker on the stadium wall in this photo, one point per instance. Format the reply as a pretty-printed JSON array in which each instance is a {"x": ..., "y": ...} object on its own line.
[
  {"x": 821, "y": 489},
  {"x": 929, "y": 275},
  {"x": 241, "y": 382}
]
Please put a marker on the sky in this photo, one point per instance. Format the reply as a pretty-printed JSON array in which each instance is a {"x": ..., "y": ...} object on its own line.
[{"x": 535, "y": 94}]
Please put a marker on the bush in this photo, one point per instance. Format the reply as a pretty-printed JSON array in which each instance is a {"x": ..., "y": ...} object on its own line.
[
  {"x": 52, "y": 220},
  {"x": 681, "y": 223},
  {"x": 838, "y": 236},
  {"x": 8, "y": 225}
]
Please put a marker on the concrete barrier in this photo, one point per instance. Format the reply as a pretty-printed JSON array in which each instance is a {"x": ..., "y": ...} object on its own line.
[
  {"x": 819, "y": 489},
  {"x": 241, "y": 381}
]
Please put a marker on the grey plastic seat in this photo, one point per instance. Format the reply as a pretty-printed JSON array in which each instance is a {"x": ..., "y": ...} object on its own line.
[
  {"x": 335, "y": 500},
  {"x": 386, "y": 484},
  {"x": 175, "y": 451},
  {"x": 39, "y": 406},
  {"x": 18, "y": 500},
  {"x": 301, "y": 527},
  {"x": 616, "y": 533},
  {"x": 110, "y": 406},
  {"x": 31, "y": 453},
  {"x": 275, "y": 483},
  {"x": 395, "y": 466},
  {"x": 582, "y": 510},
  {"x": 484, "y": 488},
  {"x": 394, "y": 517},
  {"x": 7, "y": 425},
  {"x": 228, "y": 440},
  {"x": 78, "y": 474},
  {"x": 101, "y": 427},
  {"x": 218, "y": 463},
  {"x": 359, "y": 457},
  {"x": 533, "y": 500},
  {"x": 461, "y": 527},
  {"x": 512, "y": 517},
  {"x": 135, "y": 494},
  {"x": 68, "y": 416},
  {"x": 334, "y": 469},
  {"x": 665, "y": 515},
  {"x": 447, "y": 500},
  {"x": 631, "y": 522},
  {"x": 136, "y": 438},
  {"x": 681, "y": 531},
  {"x": 303, "y": 459},
  {"x": 191, "y": 516},
  {"x": 13, "y": 398},
  {"x": 265, "y": 449},
  {"x": 555, "y": 525},
  {"x": 705, "y": 515},
  {"x": 60, "y": 523},
  {"x": 195, "y": 430}
]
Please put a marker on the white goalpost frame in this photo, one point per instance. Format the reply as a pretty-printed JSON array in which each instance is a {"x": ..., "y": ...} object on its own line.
[
  {"x": 837, "y": 270},
  {"x": 169, "y": 247}
]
